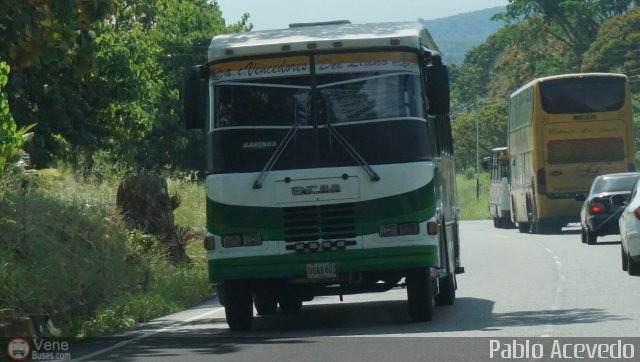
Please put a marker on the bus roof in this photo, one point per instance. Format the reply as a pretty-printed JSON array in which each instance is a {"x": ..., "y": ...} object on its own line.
[
  {"x": 320, "y": 36},
  {"x": 566, "y": 76}
]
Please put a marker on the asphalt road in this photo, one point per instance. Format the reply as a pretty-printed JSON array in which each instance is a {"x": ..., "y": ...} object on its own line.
[{"x": 516, "y": 285}]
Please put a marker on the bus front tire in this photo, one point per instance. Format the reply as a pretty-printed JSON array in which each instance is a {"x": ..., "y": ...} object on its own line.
[
  {"x": 420, "y": 295},
  {"x": 238, "y": 307}
]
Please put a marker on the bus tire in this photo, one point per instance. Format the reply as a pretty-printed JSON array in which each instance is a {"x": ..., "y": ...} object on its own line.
[
  {"x": 523, "y": 227},
  {"x": 265, "y": 304},
  {"x": 238, "y": 308},
  {"x": 625, "y": 261},
  {"x": 290, "y": 304},
  {"x": 447, "y": 290},
  {"x": 420, "y": 295},
  {"x": 592, "y": 238}
]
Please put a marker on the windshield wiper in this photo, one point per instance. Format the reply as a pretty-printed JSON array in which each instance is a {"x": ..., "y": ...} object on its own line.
[
  {"x": 353, "y": 153},
  {"x": 257, "y": 184}
]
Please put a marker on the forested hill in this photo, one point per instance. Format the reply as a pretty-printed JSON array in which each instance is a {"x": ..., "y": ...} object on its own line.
[{"x": 456, "y": 35}]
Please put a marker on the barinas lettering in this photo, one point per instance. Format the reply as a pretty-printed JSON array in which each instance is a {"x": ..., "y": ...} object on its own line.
[{"x": 259, "y": 145}]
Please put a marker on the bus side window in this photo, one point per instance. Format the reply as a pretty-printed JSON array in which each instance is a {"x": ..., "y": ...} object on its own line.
[{"x": 433, "y": 137}]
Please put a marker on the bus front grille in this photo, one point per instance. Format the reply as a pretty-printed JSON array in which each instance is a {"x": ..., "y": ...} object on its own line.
[{"x": 326, "y": 222}]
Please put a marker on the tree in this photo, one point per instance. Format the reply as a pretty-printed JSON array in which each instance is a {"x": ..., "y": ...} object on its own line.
[
  {"x": 492, "y": 119},
  {"x": 572, "y": 22},
  {"x": 115, "y": 89},
  {"x": 39, "y": 33},
  {"x": 617, "y": 46}
]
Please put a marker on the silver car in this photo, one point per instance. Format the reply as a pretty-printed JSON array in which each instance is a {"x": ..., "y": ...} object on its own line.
[{"x": 629, "y": 224}]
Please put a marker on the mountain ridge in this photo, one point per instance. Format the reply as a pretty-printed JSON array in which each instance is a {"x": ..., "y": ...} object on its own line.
[{"x": 455, "y": 35}]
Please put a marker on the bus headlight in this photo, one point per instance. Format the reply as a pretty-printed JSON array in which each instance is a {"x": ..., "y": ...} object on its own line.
[
  {"x": 248, "y": 239},
  {"x": 251, "y": 239},
  {"x": 388, "y": 230},
  {"x": 231, "y": 241},
  {"x": 408, "y": 229}
]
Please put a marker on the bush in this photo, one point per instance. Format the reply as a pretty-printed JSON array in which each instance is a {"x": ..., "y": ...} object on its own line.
[{"x": 65, "y": 253}]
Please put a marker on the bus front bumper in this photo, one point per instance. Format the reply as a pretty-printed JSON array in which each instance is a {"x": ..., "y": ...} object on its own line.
[{"x": 347, "y": 261}]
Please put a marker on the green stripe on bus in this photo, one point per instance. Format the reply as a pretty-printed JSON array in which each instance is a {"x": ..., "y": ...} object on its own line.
[
  {"x": 294, "y": 265},
  {"x": 414, "y": 206}
]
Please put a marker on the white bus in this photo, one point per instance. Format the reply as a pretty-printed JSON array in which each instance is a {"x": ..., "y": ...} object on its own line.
[
  {"x": 330, "y": 166},
  {"x": 499, "y": 197}
]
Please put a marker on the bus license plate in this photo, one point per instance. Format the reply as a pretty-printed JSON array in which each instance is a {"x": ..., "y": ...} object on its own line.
[{"x": 322, "y": 270}]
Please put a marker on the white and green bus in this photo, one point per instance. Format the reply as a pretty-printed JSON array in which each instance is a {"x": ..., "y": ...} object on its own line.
[{"x": 330, "y": 166}]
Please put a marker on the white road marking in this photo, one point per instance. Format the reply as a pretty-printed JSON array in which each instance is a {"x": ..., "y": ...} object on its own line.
[
  {"x": 548, "y": 328},
  {"x": 147, "y": 335}
]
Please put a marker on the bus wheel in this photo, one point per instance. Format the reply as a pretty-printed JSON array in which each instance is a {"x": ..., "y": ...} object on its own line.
[
  {"x": 447, "y": 290},
  {"x": 264, "y": 303},
  {"x": 420, "y": 295},
  {"x": 290, "y": 304},
  {"x": 523, "y": 227},
  {"x": 238, "y": 307},
  {"x": 592, "y": 238}
]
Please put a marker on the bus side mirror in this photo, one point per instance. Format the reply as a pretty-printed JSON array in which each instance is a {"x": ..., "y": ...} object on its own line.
[
  {"x": 485, "y": 163},
  {"x": 194, "y": 98},
  {"x": 437, "y": 86}
]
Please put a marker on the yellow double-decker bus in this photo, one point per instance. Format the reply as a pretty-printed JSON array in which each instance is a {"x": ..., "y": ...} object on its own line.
[{"x": 565, "y": 130}]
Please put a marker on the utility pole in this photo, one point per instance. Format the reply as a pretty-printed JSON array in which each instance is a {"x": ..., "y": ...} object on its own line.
[{"x": 477, "y": 152}]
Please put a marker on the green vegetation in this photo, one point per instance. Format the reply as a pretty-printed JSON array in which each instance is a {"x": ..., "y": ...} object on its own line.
[
  {"x": 65, "y": 252},
  {"x": 541, "y": 38},
  {"x": 104, "y": 77},
  {"x": 473, "y": 206}
]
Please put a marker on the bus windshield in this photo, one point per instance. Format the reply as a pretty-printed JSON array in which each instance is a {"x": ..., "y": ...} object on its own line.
[
  {"x": 582, "y": 95},
  {"x": 261, "y": 103},
  {"x": 368, "y": 96}
]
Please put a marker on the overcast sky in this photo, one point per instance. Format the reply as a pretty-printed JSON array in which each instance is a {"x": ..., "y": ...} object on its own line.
[{"x": 276, "y": 14}]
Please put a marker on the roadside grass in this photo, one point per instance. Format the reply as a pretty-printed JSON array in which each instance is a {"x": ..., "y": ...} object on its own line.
[
  {"x": 471, "y": 206},
  {"x": 65, "y": 253}
]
